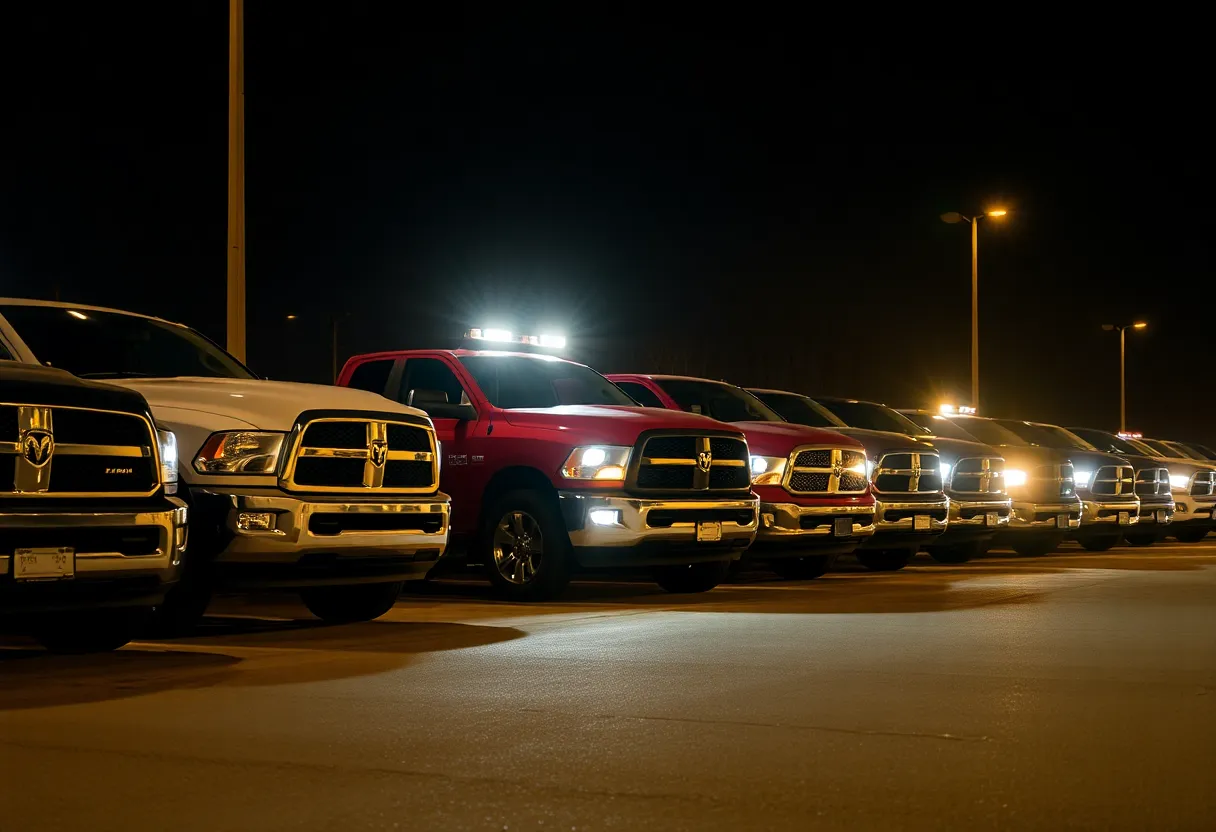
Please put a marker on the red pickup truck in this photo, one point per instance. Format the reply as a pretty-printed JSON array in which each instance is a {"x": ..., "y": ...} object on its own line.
[
  {"x": 550, "y": 466},
  {"x": 813, "y": 484}
]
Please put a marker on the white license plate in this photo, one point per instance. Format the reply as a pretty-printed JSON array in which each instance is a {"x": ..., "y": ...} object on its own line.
[
  {"x": 1062, "y": 521},
  {"x": 1163, "y": 516},
  {"x": 1125, "y": 518},
  {"x": 992, "y": 519},
  {"x": 843, "y": 527},
  {"x": 920, "y": 523},
  {"x": 44, "y": 564},
  {"x": 709, "y": 532}
]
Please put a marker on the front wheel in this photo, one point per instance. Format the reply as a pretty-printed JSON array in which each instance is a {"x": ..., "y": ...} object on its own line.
[
  {"x": 99, "y": 632},
  {"x": 885, "y": 560},
  {"x": 803, "y": 569},
  {"x": 348, "y": 604},
  {"x": 529, "y": 549},
  {"x": 1190, "y": 535},
  {"x": 959, "y": 552},
  {"x": 1099, "y": 544},
  {"x": 695, "y": 577},
  {"x": 1140, "y": 538}
]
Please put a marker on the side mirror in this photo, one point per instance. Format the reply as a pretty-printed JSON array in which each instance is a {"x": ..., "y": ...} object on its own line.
[{"x": 436, "y": 405}]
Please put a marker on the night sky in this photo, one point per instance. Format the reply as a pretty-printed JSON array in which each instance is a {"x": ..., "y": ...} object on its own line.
[{"x": 746, "y": 206}]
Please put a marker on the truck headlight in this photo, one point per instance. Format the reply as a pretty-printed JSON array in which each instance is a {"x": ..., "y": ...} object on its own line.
[
  {"x": 1014, "y": 477},
  {"x": 167, "y": 440},
  {"x": 597, "y": 462},
  {"x": 767, "y": 470},
  {"x": 944, "y": 468},
  {"x": 1081, "y": 478},
  {"x": 1179, "y": 481},
  {"x": 240, "y": 452}
]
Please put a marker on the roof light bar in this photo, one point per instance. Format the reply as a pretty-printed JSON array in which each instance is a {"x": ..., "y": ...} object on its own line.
[
  {"x": 502, "y": 335},
  {"x": 1123, "y": 435}
]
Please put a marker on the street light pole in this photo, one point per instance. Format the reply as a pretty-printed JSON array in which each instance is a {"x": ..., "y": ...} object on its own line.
[
  {"x": 953, "y": 217},
  {"x": 1123, "y": 368},
  {"x": 236, "y": 179}
]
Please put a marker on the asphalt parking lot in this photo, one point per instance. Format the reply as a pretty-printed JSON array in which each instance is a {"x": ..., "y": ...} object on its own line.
[{"x": 1073, "y": 690}]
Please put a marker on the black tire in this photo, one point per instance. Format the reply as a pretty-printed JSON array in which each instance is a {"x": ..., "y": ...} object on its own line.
[
  {"x": 525, "y": 547},
  {"x": 885, "y": 560},
  {"x": 1140, "y": 538},
  {"x": 958, "y": 552},
  {"x": 182, "y": 610},
  {"x": 695, "y": 577},
  {"x": 348, "y": 604},
  {"x": 1190, "y": 535},
  {"x": 1034, "y": 548},
  {"x": 1100, "y": 544},
  {"x": 804, "y": 568},
  {"x": 96, "y": 632}
]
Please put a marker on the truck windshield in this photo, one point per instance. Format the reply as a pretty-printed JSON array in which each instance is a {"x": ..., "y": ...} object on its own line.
[
  {"x": 799, "y": 409},
  {"x": 1048, "y": 436},
  {"x": 1186, "y": 451},
  {"x": 942, "y": 426},
  {"x": 98, "y": 344},
  {"x": 516, "y": 382},
  {"x": 723, "y": 402},
  {"x": 872, "y": 416},
  {"x": 1108, "y": 442},
  {"x": 1206, "y": 452},
  {"x": 990, "y": 432}
]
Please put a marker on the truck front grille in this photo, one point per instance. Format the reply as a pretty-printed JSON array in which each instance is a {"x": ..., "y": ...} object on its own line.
[
  {"x": 1153, "y": 482},
  {"x": 76, "y": 452},
  {"x": 1203, "y": 484},
  {"x": 908, "y": 473},
  {"x": 981, "y": 475},
  {"x": 356, "y": 454},
  {"x": 1052, "y": 481},
  {"x": 826, "y": 471},
  {"x": 1113, "y": 480},
  {"x": 693, "y": 463}
]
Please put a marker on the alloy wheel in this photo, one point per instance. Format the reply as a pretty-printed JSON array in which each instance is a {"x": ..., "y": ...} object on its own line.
[{"x": 519, "y": 547}]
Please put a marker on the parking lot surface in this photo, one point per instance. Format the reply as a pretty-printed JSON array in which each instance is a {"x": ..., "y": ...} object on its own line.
[{"x": 1075, "y": 689}]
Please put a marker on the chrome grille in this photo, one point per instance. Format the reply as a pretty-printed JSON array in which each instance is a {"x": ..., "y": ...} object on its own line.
[
  {"x": 826, "y": 471},
  {"x": 1153, "y": 482},
  {"x": 76, "y": 452},
  {"x": 908, "y": 473},
  {"x": 693, "y": 463},
  {"x": 1055, "y": 480},
  {"x": 1113, "y": 480},
  {"x": 348, "y": 454},
  {"x": 981, "y": 475},
  {"x": 1203, "y": 484}
]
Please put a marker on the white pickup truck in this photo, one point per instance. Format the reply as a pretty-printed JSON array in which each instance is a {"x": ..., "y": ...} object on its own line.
[{"x": 330, "y": 491}]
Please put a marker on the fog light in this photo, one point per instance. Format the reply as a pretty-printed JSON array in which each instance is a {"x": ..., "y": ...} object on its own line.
[
  {"x": 1180, "y": 507},
  {"x": 604, "y": 516},
  {"x": 255, "y": 521},
  {"x": 769, "y": 520}
]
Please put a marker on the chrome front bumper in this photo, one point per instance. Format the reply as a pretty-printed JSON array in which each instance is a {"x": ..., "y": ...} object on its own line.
[
  {"x": 1197, "y": 510},
  {"x": 1109, "y": 513},
  {"x": 979, "y": 515},
  {"x": 1044, "y": 517},
  {"x": 1151, "y": 509},
  {"x": 783, "y": 523},
  {"x": 331, "y": 540},
  {"x": 119, "y": 577},
  {"x": 646, "y": 531},
  {"x": 911, "y": 511}
]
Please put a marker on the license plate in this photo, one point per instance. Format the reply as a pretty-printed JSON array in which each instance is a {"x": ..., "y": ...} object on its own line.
[
  {"x": 709, "y": 532},
  {"x": 44, "y": 564},
  {"x": 1062, "y": 521},
  {"x": 992, "y": 518},
  {"x": 920, "y": 523},
  {"x": 1125, "y": 518},
  {"x": 843, "y": 527},
  {"x": 1163, "y": 516}
]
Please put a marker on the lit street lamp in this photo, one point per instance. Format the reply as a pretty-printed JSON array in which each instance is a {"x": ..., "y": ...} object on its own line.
[
  {"x": 953, "y": 217},
  {"x": 1122, "y": 330}
]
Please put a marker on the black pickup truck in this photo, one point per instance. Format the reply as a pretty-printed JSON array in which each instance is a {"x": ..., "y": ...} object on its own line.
[{"x": 90, "y": 538}]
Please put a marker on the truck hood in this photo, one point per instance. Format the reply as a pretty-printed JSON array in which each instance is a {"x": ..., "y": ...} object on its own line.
[
  {"x": 609, "y": 424},
  {"x": 879, "y": 442},
  {"x": 952, "y": 450},
  {"x": 268, "y": 405},
  {"x": 779, "y": 438}
]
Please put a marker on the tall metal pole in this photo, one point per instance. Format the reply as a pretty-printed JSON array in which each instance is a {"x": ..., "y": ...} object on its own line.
[
  {"x": 236, "y": 178},
  {"x": 975, "y": 312},
  {"x": 1122, "y": 380}
]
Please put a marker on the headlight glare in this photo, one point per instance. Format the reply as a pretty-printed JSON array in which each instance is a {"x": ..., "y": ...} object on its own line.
[
  {"x": 167, "y": 440},
  {"x": 944, "y": 468},
  {"x": 240, "y": 452},
  {"x": 1081, "y": 478},
  {"x": 597, "y": 462},
  {"x": 1014, "y": 477},
  {"x": 767, "y": 470},
  {"x": 1179, "y": 481}
]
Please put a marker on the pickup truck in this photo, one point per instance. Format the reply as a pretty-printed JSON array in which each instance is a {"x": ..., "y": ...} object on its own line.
[
  {"x": 90, "y": 537},
  {"x": 815, "y": 498},
  {"x": 1154, "y": 484},
  {"x": 1192, "y": 482},
  {"x": 330, "y": 492},
  {"x": 552, "y": 467},
  {"x": 973, "y": 476}
]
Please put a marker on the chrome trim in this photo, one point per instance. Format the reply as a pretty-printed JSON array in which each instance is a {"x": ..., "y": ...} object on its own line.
[
  {"x": 1160, "y": 479},
  {"x": 834, "y": 471},
  {"x": 913, "y": 474},
  {"x": 33, "y": 481},
  {"x": 986, "y": 474},
  {"x": 955, "y": 518},
  {"x": 375, "y": 457},
  {"x": 787, "y": 522},
  {"x": 1123, "y": 476},
  {"x": 1024, "y": 513},
  {"x": 702, "y": 464},
  {"x": 632, "y": 528},
  {"x": 1091, "y": 508},
  {"x": 905, "y": 524},
  {"x": 1210, "y": 476}
]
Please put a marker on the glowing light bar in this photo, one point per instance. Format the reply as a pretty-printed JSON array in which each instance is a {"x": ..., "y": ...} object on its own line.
[
  {"x": 947, "y": 409},
  {"x": 967, "y": 411},
  {"x": 1131, "y": 435}
]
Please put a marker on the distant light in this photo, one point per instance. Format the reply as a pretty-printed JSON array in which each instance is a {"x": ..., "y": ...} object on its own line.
[
  {"x": 1140, "y": 325},
  {"x": 78, "y": 315},
  {"x": 292, "y": 317},
  {"x": 947, "y": 408},
  {"x": 557, "y": 342},
  {"x": 999, "y": 212},
  {"x": 967, "y": 411}
]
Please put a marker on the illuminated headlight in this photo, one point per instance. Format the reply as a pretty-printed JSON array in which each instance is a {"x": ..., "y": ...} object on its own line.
[
  {"x": 945, "y": 471},
  {"x": 1179, "y": 481},
  {"x": 1014, "y": 477},
  {"x": 767, "y": 470},
  {"x": 167, "y": 440},
  {"x": 1081, "y": 478},
  {"x": 596, "y": 462},
  {"x": 604, "y": 517},
  {"x": 870, "y": 468},
  {"x": 240, "y": 452}
]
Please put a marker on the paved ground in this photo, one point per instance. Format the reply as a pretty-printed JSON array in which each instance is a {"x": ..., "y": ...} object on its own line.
[{"x": 1076, "y": 690}]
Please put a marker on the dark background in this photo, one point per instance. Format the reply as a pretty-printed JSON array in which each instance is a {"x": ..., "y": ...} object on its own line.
[{"x": 754, "y": 205}]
